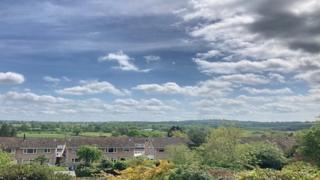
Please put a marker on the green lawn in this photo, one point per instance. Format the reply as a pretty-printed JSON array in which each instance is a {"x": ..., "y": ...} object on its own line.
[
  {"x": 95, "y": 134},
  {"x": 41, "y": 134}
]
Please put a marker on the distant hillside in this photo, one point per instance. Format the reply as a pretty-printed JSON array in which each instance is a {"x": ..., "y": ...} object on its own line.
[
  {"x": 252, "y": 125},
  {"x": 164, "y": 125}
]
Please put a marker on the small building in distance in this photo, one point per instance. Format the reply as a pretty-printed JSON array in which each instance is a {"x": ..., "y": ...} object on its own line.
[{"x": 63, "y": 151}]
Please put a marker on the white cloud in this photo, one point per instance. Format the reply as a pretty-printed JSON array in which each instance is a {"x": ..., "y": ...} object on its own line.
[
  {"x": 141, "y": 105},
  {"x": 152, "y": 58},
  {"x": 243, "y": 66},
  {"x": 209, "y": 54},
  {"x": 51, "y": 79},
  {"x": 94, "y": 87},
  {"x": 312, "y": 77},
  {"x": 249, "y": 79},
  {"x": 204, "y": 88},
  {"x": 255, "y": 91},
  {"x": 124, "y": 61},
  {"x": 11, "y": 78},
  {"x": 31, "y": 97}
]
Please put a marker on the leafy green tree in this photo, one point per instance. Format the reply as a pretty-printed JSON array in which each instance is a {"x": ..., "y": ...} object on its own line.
[
  {"x": 89, "y": 154},
  {"x": 4, "y": 159},
  {"x": 310, "y": 144},
  {"x": 76, "y": 131},
  {"x": 197, "y": 136},
  {"x": 7, "y": 130},
  {"x": 220, "y": 148},
  {"x": 263, "y": 155},
  {"x": 180, "y": 155},
  {"x": 31, "y": 172},
  {"x": 174, "y": 129},
  {"x": 41, "y": 159}
]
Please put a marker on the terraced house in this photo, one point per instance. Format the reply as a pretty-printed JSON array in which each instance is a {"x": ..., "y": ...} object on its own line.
[{"x": 63, "y": 151}]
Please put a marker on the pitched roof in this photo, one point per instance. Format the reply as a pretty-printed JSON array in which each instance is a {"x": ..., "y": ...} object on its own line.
[{"x": 13, "y": 142}]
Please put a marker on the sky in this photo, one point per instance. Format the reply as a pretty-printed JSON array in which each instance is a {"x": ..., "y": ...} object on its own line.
[{"x": 159, "y": 60}]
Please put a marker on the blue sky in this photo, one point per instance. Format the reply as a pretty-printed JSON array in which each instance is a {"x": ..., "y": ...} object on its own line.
[{"x": 152, "y": 60}]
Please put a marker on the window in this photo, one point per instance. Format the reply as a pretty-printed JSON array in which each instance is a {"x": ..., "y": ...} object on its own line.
[
  {"x": 161, "y": 150},
  {"x": 75, "y": 160},
  {"x": 126, "y": 149},
  {"x": 139, "y": 145},
  {"x": 122, "y": 159},
  {"x": 47, "y": 150},
  {"x": 29, "y": 151},
  {"x": 111, "y": 150},
  {"x": 11, "y": 151}
]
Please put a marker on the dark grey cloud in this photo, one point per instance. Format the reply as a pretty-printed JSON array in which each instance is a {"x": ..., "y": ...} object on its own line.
[{"x": 277, "y": 20}]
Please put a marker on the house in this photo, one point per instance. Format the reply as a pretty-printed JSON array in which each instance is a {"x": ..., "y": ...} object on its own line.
[{"x": 63, "y": 151}]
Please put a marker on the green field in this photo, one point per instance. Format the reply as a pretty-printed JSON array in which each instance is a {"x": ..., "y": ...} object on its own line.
[
  {"x": 95, "y": 134},
  {"x": 43, "y": 134}
]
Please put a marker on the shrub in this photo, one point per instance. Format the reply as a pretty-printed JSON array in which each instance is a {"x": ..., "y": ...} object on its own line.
[
  {"x": 119, "y": 166},
  {"x": 190, "y": 173},
  {"x": 261, "y": 155},
  {"x": 85, "y": 171},
  {"x": 4, "y": 159},
  {"x": 297, "y": 170},
  {"x": 31, "y": 172},
  {"x": 310, "y": 144}
]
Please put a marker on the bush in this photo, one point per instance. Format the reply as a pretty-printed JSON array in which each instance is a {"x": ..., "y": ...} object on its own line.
[
  {"x": 4, "y": 159},
  {"x": 261, "y": 155},
  {"x": 297, "y": 170},
  {"x": 105, "y": 165},
  {"x": 310, "y": 144},
  {"x": 119, "y": 166},
  {"x": 189, "y": 173},
  {"x": 85, "y": 171},
  {"x": 31, "y": 172}
]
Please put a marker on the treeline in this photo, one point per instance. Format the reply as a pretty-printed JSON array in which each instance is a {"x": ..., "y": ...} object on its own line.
[
  {"x": 7, "y": 130},
  {"x": 226, "y": 152},
  {"x": 150, "y": 129}
]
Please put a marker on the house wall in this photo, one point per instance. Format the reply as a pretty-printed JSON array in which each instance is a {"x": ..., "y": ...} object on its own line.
[
  {"x": 23, "y": 158},
  {"x": 71, "y": 154}
]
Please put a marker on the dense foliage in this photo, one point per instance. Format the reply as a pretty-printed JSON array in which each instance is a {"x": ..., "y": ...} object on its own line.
[
  {"x": 225, "y": 152},
  {"x": 31, "y": 172},
  {"x": 310, "y": 144},
  {"x": 89, "y": 154},
  {"x": 4, "y": 159},
  {"x": 7, "y": 130}
]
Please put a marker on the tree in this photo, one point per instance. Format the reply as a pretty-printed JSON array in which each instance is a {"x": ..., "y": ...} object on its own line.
[
  {"x": 197, "y": 136},
  {"x": 76, "y": 131},
  {"x": 7, "y": 130},
  {"x": 180, "y": 155},
  {"x": 4, "y": 159},
  {"x": 89, "y": 154},
  {"x": 173, "y": 129},
  {"x": 263, "y": 155},
  {"x": 220, "y": 148},
  {"x": 310, "y": 144},
  {"x": 41, "y": 159},
  {"x": 31, "y": 172}
]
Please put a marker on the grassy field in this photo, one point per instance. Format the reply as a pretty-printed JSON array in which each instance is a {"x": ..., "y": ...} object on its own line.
[
  {"x": 95, "y": 134},
  {"x": 41, "y": 134}
]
